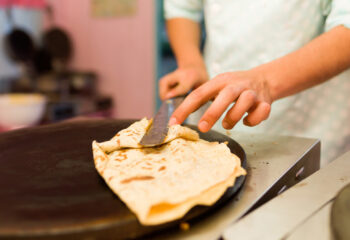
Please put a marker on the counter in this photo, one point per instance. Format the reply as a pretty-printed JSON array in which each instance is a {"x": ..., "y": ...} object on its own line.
[{"x": 302, "y": 212}]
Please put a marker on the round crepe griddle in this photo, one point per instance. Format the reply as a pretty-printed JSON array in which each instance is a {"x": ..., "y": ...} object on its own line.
[{"x": 51, "y": 190}]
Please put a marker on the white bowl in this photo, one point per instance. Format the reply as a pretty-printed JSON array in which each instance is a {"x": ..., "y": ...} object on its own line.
[{"x": 21, "y": 110}]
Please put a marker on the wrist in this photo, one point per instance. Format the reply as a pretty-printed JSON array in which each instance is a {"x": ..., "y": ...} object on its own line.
[
  {"x": 197, "y": 65},
  {"x": 193, "y": 66},
  {"x": 269, "y": 79},
  {"x": 194, "y": 59}
]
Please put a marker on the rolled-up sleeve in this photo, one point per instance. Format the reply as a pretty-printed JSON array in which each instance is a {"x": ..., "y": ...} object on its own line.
[
  {"x": 191, "y": 9},
  {"x": 339, "y": 14}
]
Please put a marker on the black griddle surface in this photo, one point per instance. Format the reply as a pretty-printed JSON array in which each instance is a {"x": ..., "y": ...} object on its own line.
[{"x": 51, "y": 190}]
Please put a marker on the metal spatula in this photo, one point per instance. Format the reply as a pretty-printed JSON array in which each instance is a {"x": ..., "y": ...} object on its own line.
[{"x": 159, "y": 128}]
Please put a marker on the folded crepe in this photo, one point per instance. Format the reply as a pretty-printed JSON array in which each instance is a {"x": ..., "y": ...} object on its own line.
[{"x": 162, "y": 183}]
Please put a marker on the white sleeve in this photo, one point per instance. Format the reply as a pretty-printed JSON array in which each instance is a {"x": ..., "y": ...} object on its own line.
[
  {"x": 191, "y": 9},
  {"x": 339, "y": 14}
]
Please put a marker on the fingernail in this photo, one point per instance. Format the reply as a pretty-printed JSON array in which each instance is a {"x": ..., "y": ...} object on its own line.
[
  {"x": 203, "y": 126},
  {"x": 172, "y": 121},
  {"x": 226, "y": 125}
]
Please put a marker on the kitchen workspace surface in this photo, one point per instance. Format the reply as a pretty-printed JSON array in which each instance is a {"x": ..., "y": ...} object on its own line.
[
  {"x": 272, "y": 164},
  {"x": 305, "y": 211}
]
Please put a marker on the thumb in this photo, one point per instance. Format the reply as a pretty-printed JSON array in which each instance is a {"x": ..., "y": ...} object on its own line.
[
  {"x": 179, "y": 89},
  {"x": 166, "y": 83}
]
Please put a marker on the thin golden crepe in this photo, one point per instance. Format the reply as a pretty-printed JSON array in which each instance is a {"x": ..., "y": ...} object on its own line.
[{"x": 163, "y": 183}]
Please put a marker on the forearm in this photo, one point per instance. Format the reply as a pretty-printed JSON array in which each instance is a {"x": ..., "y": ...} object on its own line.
[
  {"x": 184, "y": 36},
  {"x": 321, "y": 59}
]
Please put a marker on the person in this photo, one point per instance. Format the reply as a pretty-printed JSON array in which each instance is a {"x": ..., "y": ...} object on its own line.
[{"x": 257, "y": 52}]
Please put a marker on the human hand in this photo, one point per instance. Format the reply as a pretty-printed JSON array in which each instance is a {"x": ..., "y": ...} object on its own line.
[
  {"x": 181, "y": 81},
  {"x": 248, "y": 89}
]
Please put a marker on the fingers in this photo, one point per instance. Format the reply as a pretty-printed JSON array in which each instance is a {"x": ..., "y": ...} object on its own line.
[
  {"x": 177, "y": 90},
  {"x": 217, "y": 108},
  {"x": 194, "y": 101},
  {"x": 226, "y": 89},
  {"x": 174, "y": 84},
  {"x": 166, "y": 83},
  {"x": 246, "y": 101},
  {"x": 259, "y": 114}
]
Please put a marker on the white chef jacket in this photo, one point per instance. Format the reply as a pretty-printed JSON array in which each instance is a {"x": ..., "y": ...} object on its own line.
[{"x": 242, "y": 34}]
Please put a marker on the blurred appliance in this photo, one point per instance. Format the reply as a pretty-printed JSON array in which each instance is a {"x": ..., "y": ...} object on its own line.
[
  {"x": 73, "y": 94},
  {"x": 19, "y": 46},
  {"x": 21, "y": 110},
  {"x": 68, "y": 95},
  {"x": 69, "y": 92},
  {"x": 57, "y": 43},
  {"x": 18, "y": 43},
  {"x": 98, "y": 106}
]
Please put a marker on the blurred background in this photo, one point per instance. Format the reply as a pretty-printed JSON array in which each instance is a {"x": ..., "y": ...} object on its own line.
[{"x": 94, "y": 58}]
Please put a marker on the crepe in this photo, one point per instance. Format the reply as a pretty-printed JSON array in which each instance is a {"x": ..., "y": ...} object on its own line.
[{"x": 163, "y": 183}]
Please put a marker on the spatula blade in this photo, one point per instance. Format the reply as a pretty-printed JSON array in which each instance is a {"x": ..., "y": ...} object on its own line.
[{"x": 159, "y": 128}]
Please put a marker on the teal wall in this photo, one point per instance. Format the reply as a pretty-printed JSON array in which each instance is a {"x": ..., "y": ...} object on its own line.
[{"x": 159, "y": 22}]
